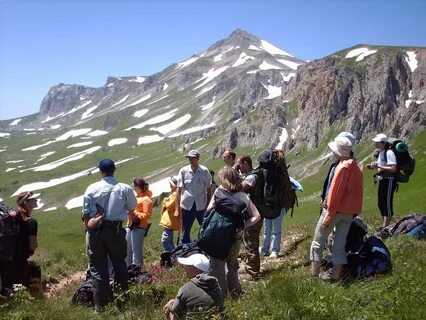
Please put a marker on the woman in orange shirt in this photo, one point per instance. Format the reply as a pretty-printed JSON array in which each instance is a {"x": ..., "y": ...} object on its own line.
[
  {"x": 343, "y": 202},
  {"x": 138, "y": 224}
]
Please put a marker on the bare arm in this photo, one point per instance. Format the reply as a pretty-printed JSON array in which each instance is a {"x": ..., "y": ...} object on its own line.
[
  {"x": 253, "y": 213},
  {"x": 178, "y": 196},
  {"x": 390, "y": 169}
]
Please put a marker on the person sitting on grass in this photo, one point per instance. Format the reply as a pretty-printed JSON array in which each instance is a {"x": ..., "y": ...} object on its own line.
[
  {"x": 344, "y": 201},
  {"x": 170, "y": 220},
  {"x": 138, "y": 224},
  {"x": 202, "y": 294}
]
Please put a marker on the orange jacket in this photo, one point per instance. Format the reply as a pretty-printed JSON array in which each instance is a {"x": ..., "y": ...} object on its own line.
[
  {"x": 168, "y": 218},
  {"x": 143, "y": 209},
  {"x": 345, "y": 194}
]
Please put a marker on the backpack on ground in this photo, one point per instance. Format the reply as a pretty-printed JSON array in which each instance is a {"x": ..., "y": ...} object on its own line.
[
  {"x": 356, "y": 235},
  {"x": 273, "y": 190},
  {"x": 405, "y": 163},
  {"x": 168, "y": 259},
  {"x": 221, "y": 224},
  {"x": 374, "y": 258},
  {"x": 9, "y": 230},
  {"x": 85, "y": 293}
]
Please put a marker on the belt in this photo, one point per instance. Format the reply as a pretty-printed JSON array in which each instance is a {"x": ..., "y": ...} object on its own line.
[{"x": 112, "y": 224}]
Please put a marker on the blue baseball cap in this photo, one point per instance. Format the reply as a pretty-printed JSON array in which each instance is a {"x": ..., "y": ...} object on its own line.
[{"x": 106, "y": 165}]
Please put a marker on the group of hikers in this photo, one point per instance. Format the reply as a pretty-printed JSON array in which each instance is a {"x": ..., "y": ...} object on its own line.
[{"x": 230, "y": 214}]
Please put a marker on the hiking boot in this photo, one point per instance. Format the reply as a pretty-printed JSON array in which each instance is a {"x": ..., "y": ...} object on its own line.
[{"x": 274, "y": 255}]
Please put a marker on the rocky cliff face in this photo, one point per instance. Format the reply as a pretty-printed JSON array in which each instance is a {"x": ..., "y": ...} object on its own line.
[{"x": 382, "y": 91}]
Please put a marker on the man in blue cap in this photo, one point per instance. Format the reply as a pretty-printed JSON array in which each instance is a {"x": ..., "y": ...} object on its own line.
[{"x": 107, "y": 204}]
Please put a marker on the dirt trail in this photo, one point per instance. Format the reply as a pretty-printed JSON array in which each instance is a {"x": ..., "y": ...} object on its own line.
[
  {"x": 56, "y": 289},
  {"x": 288, "y": 255}
]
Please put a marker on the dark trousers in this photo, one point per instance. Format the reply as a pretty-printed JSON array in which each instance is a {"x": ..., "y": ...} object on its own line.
[
  {"x": 188, "y": 218},
  {"x": 387, "y": 188},
  {"x": 109, "y": 241}
]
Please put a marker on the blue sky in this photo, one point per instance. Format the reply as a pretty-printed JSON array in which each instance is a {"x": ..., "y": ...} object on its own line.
[{"x": 43, "y": 43}]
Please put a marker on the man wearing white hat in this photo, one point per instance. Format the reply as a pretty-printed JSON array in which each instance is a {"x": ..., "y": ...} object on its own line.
[
  {"x": 201, "y": 294},
  {"x": 386, "y": 170}
]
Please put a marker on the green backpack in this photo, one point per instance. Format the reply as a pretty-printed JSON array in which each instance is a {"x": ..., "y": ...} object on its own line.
[{"x": 221, "y": 224}]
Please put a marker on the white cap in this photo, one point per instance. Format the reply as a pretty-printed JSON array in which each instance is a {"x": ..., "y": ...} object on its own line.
[
  {"x": 341, "y": 146},
  {"x": 348, "y": 135},
  {"x": 197, "y": 260},
  {"x": 381, "y": 137}
]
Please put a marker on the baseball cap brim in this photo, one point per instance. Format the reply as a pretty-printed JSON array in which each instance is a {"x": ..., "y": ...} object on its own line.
[{"x": 197, "y": 260}]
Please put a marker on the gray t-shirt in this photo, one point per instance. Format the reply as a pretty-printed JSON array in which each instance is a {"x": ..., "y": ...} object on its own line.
[{"x": 194, "y": 185}]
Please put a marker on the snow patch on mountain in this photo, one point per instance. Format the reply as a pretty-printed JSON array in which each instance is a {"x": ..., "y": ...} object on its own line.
[
  {"x": 268, "y": 66},
  {"x": 80, "y": 144},
  {"x": 117, "y": 141},
  {"x": 165, "y": 86},
  {"x": 156, "y": 100},
  {"x": 140, "y": 100},
  {"x": 288, "y": 77},
  {"x": 149, "y": 139},
  {"x": 15, "y": 122},
  {"x": 155, "y": 120},
  {"x": 210, "y": 75},
  {"x": 411, "y": 60},
  {"x": 207, "y": 106},
  {"x": 174, "y": 125},
  {"x": 282, "y": 139},
  {"x": 270, "y": 48},
  {"x": 291, "y": 64},
  {"x": 89, "y": 112},
  {"x": 4, "y": 134},
  {"x": 97, "y": 133},
  {"x": 120, "y": 101},
  {"x": 140, "y": 113},
  {"x": 187, "y": 62},
  {"x": 137, "y": 79},
  {"x": 243, "y": 58},
  {"x": 73, "y": 133},
  {"x": 205, "y": 89},
  {"x": 273, "y": 91},
  {"x": 193, "y": 129},
  {"x": 360, "y": 53}
]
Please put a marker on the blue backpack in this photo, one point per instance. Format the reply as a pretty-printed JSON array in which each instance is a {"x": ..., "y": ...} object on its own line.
[{"x": 373, "y": 258}]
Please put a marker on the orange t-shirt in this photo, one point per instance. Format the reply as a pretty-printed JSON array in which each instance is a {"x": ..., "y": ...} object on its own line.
[{"x": 143, "y": 209}]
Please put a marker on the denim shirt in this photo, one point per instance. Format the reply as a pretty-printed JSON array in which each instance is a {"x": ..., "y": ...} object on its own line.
[{"x": 121, "y": 199}]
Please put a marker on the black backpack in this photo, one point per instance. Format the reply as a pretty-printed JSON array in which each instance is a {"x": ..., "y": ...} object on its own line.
[
  {"x": 168, "y": 259},
  {"x": 9, "y": 230},
  {"x": 221, "y": 224},
  {"x": 405, "y": 163},
  {"x": 356, "y": 236},
  {"x": 85, "y": 293},
  {"x": 273, "y": 190}
]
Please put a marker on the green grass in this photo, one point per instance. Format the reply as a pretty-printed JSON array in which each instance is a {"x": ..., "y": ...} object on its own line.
[{"x": 287, "y": 293}]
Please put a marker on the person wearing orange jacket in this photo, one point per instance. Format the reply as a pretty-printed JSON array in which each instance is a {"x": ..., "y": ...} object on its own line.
[
  {"x": 138, "y": 224},
  {"x": 344, "y": 201},
  {"x": 169, "y": 220}
]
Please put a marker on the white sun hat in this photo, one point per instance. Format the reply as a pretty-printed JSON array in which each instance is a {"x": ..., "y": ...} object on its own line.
[
  {"x": 348, "y": 135},
  {"x": 381, "y": 137},
  {"x": 197, "y": 260},
  {"x": 341, "y": 146}
]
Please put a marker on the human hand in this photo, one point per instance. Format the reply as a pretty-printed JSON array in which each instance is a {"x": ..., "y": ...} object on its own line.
[{"x": 167, "y": 307}]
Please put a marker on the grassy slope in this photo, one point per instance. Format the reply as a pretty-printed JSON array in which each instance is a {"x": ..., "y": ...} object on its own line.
[{"x": 288, "y": 293}]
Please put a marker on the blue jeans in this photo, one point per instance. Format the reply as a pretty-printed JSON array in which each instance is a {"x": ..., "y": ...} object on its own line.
[
  {"x": 272, "y": 233},
  {"x": 167, "y": 240},
  {"x": 135, "y": 240},
  {"x": 188, "y": 218}
]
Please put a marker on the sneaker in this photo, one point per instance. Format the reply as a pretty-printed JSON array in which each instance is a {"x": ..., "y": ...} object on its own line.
[{"x": 274, "y": 255}]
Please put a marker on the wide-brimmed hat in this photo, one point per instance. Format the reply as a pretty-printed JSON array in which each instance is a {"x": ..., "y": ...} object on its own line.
[
  {"x": 381, "y": 137},
  {"x": 196, "y": 260},
  {"x": 341, "y": 146},
  {"x": 25, "y": 196},
  {"x": 173, "y": 181},
  {"x": 193, "y": 154},
  {"x": 348, "y": 135}
]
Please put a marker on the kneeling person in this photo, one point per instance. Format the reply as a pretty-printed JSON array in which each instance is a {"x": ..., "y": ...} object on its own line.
[{"x": 201, "y": 294}]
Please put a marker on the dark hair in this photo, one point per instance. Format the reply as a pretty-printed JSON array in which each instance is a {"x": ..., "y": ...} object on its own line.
[
  {"x": 139, "y": 182},
  {"x": 211, "y": 173},
  {"x": 246, "y": 159}
]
